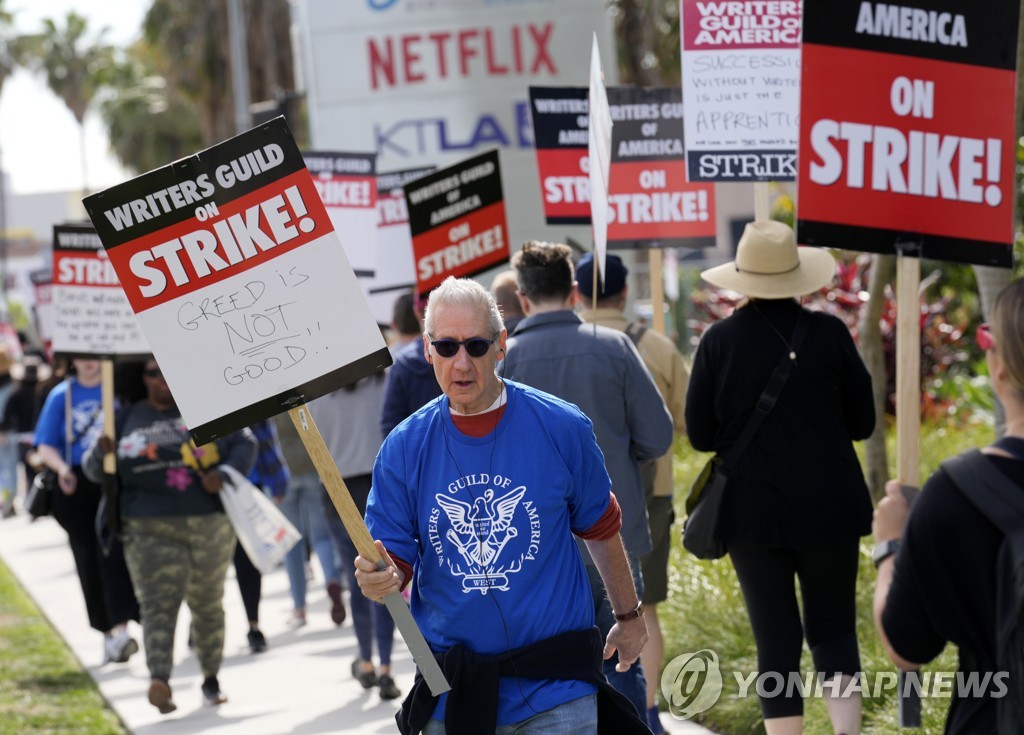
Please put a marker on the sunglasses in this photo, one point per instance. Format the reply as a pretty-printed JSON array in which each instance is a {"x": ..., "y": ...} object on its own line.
[
  {"x": 475, "y": 346},
  {"x": 984, "y": 338},
  {"x": 154, "y": 373}
]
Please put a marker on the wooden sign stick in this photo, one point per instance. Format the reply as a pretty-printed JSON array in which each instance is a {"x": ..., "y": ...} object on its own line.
[
  {"x": 107, "y": 403},
  {"x": 361, "y": 539}
]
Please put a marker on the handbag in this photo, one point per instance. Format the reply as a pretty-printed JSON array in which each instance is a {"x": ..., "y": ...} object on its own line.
[
  {"x": 701, "y": 535},
  {"x": 39, "y": 499},
  {"x": 261, "y": 528}
]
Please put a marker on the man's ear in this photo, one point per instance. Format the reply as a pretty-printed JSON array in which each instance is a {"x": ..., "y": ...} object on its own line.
[{"x": 426, "y": 350}]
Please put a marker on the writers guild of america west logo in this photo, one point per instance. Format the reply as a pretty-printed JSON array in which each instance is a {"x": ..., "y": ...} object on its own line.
[
  {"x": 485, "y": 536},
  {"x": 691, "y": 683}
]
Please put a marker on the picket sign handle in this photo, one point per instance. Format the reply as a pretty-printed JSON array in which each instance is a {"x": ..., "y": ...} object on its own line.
[
  {"x": 361, "y": 539},
  {"x": 762, "y": 201},
  {"x": 655, "y": 257},
  {"x": 333, "y": 481},
  {"x": 107, "y": 404}
]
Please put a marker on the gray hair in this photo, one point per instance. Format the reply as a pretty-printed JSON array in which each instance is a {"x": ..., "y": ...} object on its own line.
[{"x": 463, "y": 292}]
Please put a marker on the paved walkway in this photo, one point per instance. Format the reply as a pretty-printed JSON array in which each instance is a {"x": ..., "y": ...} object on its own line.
[{"x": 302, "y": 684}]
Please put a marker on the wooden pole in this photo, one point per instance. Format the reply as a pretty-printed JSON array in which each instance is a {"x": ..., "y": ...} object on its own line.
[
  {"x": 361, "y": 539},
  {"x": 762, "y": 201},
  {"x": 107, "y": 403},
  {"x": 656, "y": 257}
]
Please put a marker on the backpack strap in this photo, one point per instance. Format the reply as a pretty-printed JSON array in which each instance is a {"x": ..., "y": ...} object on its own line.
[
  {"x": 636, "y": 331},
  {"x": 995, "y": 495}
]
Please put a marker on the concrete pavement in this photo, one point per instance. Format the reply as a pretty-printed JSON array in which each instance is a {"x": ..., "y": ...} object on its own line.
[{"x": 302, "y": 684}]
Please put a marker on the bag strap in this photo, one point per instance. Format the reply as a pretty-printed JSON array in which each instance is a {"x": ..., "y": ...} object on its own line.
[
  {"x": 769, "y": 396},
  {"x": 636, "y": 331},
  {"x": 995, "y": 495}
]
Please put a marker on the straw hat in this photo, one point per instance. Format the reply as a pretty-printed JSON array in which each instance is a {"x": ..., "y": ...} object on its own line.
[{"x": 769, "y": 265}]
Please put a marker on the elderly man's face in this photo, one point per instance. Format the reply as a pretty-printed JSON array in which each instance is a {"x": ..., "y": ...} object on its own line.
[{"x": 469, "y": 382}]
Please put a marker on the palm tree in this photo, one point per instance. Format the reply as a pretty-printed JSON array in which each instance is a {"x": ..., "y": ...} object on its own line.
[{"x": 74, "y": 67}]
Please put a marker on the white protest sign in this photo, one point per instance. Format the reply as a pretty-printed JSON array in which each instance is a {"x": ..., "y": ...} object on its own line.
[
  {"x": 741, "y": 89},
  {"x": 90, "y": 314},
  {"x": 599, "y": 145},
  {"x": 347, "y": 185},
  {"x": 239, "y": 281}
]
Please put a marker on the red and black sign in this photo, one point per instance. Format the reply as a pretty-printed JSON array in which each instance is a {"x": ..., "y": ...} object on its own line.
[
  {"x": 561, "y": 125},
  {"x": 457, "y": 220},
  {"x": 907, "y": 128},
  {"x": 650, "y": 202}
]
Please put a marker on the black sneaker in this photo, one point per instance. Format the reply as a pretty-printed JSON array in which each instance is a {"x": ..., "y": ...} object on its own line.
[
  {"x": 212, "y": 695},
  {"x": 367, "y": 679},
  {"x": 388, "y": 690},
  {"x": 257, "y": 641}
]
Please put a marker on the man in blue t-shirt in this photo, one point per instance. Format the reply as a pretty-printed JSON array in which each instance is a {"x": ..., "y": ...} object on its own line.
[{"x": 476, "y": 500}]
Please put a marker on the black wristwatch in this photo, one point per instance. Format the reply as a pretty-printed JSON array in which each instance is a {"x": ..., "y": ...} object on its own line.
[
  {"x": 884, "y": 550},
  {"x": 636, "y": 612}
]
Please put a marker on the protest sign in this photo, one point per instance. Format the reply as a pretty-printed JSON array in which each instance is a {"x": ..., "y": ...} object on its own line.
[
  {"x": 230, "y": 261},
  {"x": 395, "y": 271},
  {"x": 741, "y": 86},
  {"x": 560, "y": 132},
  {"x": 347, "y": 185},
  {"x": 907, "y": 128},
  {"x": 42, "y": 303},
  {"x": 457, "y": 220},
  {"x": 91, "y": 315},
  {"x": 650, "y": 202},
  {"x": 599, "y": 143}
]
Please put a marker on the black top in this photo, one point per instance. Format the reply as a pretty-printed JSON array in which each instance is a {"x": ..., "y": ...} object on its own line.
[
  {"x": 944, "y": 589},
  {"x": 799, "y": 483}
]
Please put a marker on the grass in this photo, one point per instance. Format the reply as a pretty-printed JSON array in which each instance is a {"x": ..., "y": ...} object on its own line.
[
  {"x": 705, "y": 610},
  {"x": 43, "y": 689}
]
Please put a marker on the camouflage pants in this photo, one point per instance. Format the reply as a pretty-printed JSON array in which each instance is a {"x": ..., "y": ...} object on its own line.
[{"x": 175, "y": 558}]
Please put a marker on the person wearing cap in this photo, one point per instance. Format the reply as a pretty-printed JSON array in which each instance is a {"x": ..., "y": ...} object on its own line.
[
  {"x": 796, "y": 503},
  {"x": 670, "y": 374},
  {"x": 599, "y": 370}
]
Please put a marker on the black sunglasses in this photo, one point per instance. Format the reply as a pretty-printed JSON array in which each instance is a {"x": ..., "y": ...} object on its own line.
[
  {"x": 154, "y": 373},
  {"x": 475, "y": 346}
]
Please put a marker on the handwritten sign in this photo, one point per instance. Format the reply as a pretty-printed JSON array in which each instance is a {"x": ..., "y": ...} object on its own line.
[
  {"x": 457, "y": 220},
  {"x": 238, "y": 279},
  {"x": 91, "y": 316},
  {"x": 907, "y": 129},
  {"x": 650, "y": 202},
  {"x": 741, "y": 86},
  {"x": 561, "y": 124},
  {"x": 347, "y": 185}
]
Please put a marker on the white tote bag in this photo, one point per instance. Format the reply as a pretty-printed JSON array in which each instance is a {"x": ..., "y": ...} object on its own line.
[{"x": 264, "y": 532}]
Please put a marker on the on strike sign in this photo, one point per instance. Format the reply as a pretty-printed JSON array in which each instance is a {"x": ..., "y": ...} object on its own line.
[
  {"x": 232, "y": 266},
  {"x": 907, "y": 127},
  {"x": 457, "y": 220},
  {"x": 347, "y": 185},
  {"x": 90, "y": 315},
  {"x": 561, "y": 129}
]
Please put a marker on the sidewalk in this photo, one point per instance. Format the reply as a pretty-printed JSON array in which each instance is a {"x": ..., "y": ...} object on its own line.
[{"x": 300, "y": 685}]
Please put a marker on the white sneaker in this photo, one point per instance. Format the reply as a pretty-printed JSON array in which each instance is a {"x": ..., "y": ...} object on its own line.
[
  {"x": 297, "y": 620},
  {"x": 119, "y": 647}
]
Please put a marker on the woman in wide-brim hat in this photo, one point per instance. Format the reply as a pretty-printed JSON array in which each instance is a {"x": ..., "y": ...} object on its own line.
[{"x": 796, "y": 503}]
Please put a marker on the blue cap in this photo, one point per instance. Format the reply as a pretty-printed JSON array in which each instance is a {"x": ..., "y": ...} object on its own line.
[{"x": 614, "y": 276}]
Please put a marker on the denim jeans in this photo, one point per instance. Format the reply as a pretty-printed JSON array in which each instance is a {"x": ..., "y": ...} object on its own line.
[
  {"x": 578, "y": 717},
  {"x": 303, "y": 508}
]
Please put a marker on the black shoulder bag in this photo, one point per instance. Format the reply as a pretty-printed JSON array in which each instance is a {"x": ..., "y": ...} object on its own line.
[{"x": 701, "y": 536}]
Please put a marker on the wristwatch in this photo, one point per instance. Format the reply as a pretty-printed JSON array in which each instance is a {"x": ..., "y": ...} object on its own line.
[
  {"x": 636, "y": 612},
  {"x": 884, "y": 550}
]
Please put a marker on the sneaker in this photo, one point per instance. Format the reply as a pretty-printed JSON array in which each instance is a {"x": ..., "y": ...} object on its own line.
[
  {"x": 368, "y": 679},
  {"x": 297, "y": 620},
  {"x": 388, "y": 690},
  {"x": 212, "y": 695},
  {"x": 257, "y": 641},
  {"x": 119, "y": 648},
  {"x": 160, "y": 696},
  {"x": 337, "y": 605}
]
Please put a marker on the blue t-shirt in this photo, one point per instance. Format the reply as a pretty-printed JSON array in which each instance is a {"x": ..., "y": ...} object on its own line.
[
  {"x": 86, "y": 419},
  {"x": 487, "y": 523}
]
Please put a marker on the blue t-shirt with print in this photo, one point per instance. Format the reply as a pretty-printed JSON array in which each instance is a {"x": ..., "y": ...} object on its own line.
[
  {"x": 488, "y": 524},
  {"x": 86, "y": 419}
]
